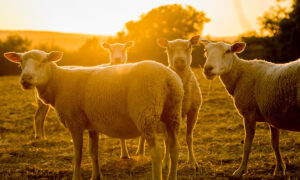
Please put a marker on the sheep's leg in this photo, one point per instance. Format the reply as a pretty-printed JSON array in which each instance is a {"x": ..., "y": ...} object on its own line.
[
  {"x": 173, "y": 148},
  {"x": 156, "y": 157},
  {"x": 93, "y": 150},
  {"x": 249, "y": 126},
  {"x": 192, "y": 117},
  {"x": 141, "y": 148},
  {"x": 39, "y": 119},
  {"x": 166, "y": 161},
  {"x": 124, "y": 151},
  {"x": 77, "y": 136},
  {"x": 280, "y": 166}
]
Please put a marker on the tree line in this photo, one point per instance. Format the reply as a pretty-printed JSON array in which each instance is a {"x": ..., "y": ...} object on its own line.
[{"x": 281, "y": 44}]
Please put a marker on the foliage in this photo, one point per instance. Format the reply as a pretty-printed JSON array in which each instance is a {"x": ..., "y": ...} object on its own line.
[
  {"x": 91, "y": 53},
  {"x": 169, "y": 22},
  {"x": 12, "y": 43},
  {"x": 282, "y": 44},
  {"x": 271, "y": 19}
]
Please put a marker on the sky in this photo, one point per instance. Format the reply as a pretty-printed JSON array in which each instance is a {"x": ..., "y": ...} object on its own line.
[{"x": 107, "y": 17}]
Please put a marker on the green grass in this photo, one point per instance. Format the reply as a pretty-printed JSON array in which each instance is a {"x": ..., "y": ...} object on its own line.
[{"x": 218, "y": 139}]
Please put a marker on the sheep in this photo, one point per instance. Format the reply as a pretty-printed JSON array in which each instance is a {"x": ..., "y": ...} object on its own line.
[
  {"x": 179, "y": 54},
  {"x": 118, "y": 52},
  {"x": 122, "y": 101},
  {"x": 118, "y": 55},
  {"x": 262, "y": 92}
]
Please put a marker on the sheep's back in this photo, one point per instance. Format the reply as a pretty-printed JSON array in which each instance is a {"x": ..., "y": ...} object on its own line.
[
  {"x": 276, "y": 94},
  {"x": 117, "y": 98}
]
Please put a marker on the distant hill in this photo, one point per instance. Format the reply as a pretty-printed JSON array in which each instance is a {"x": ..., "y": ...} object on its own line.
[{"x": 69, "y": 41}]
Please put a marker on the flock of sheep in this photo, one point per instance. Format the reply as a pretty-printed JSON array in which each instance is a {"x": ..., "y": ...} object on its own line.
[{"x": 147, "y": 99}]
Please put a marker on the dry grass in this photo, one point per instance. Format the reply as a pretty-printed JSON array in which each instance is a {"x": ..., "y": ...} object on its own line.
[{"x": 218, "y": 141}]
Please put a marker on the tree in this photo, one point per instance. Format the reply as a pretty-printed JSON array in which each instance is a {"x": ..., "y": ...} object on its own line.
[
  {"x": 168, "y": 21},
  {"x": 12, "y": 43},
  {"x": 282, "y": 43},
  {"x": 91, "y": 53},
  {"x": 271, "y": 19},
  {"x": 288, "y": 36}
]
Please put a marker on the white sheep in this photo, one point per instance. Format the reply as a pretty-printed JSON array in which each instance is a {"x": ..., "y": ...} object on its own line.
[
  {"x": 118, "y": 52},
  {"x": 179, "y": 53},
  {"x": 122, "y": 101},
  {"x": 179, "y": 59},
  {"x": 262, "y": 92},
  {"x": 118, "y": 55}
]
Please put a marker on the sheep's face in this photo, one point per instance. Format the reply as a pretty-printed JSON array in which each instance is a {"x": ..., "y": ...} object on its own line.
[
  {"x": 118, "y": 52},
  {"x": 219, "y": 57},
  {"x": 35, "y": 66},
  {"x": 179, "y": 52}
]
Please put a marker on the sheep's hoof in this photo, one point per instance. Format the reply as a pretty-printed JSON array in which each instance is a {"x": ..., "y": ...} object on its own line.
[
  {"x": 96, "y": 177},
  {"x": 125, "y": 157},
  {"x": 279, "y": 170},
  {"x": 238, "y": 173},
  {"x": 37, "y": 137}
]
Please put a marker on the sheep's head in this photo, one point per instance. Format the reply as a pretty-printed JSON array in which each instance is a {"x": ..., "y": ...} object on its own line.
[
  {"x": 118, "y": 51},
  {"x": 179, "y": 51},
  {"x": 35, "y": 66},
  {"x": 219, "y": 57}
]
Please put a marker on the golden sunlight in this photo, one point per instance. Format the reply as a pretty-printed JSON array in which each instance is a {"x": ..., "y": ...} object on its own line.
[{"x": 109, "y": 17}]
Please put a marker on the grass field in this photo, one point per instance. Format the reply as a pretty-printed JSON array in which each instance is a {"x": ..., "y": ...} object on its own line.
[{"x": 218, "y": 139}]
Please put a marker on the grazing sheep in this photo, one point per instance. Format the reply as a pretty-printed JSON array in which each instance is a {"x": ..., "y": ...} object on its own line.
[
  {"x": 122, "y": 101},
  {"x": 118, "y": 55},
  {"x": 179, "y": 53},
  {"x": 262, "y": 92}
]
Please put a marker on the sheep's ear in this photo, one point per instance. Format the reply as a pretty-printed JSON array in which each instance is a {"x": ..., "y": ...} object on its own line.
[
  {"x": 163, "y": 43},
  {"x": 238, "y": 47},
  {"x": 195, "y": 40},
  {"x": 105, "y": 45},
  {"x": 55, "y": 56},
  {"x": 129, "y": 44},
  {"x": 13, "y": 57},
  {"x": 204, "y": 41}
]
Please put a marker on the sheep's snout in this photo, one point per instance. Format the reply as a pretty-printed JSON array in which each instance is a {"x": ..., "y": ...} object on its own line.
[
  {"x": 208, "y": 72},
  {"x": 27, "y": 81},
  {"x": 179, "y": 63},
  {"x": 117, "y": 60}
]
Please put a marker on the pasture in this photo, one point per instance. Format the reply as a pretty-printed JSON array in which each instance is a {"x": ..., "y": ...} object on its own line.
[{"x": 218, "y": 142}]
